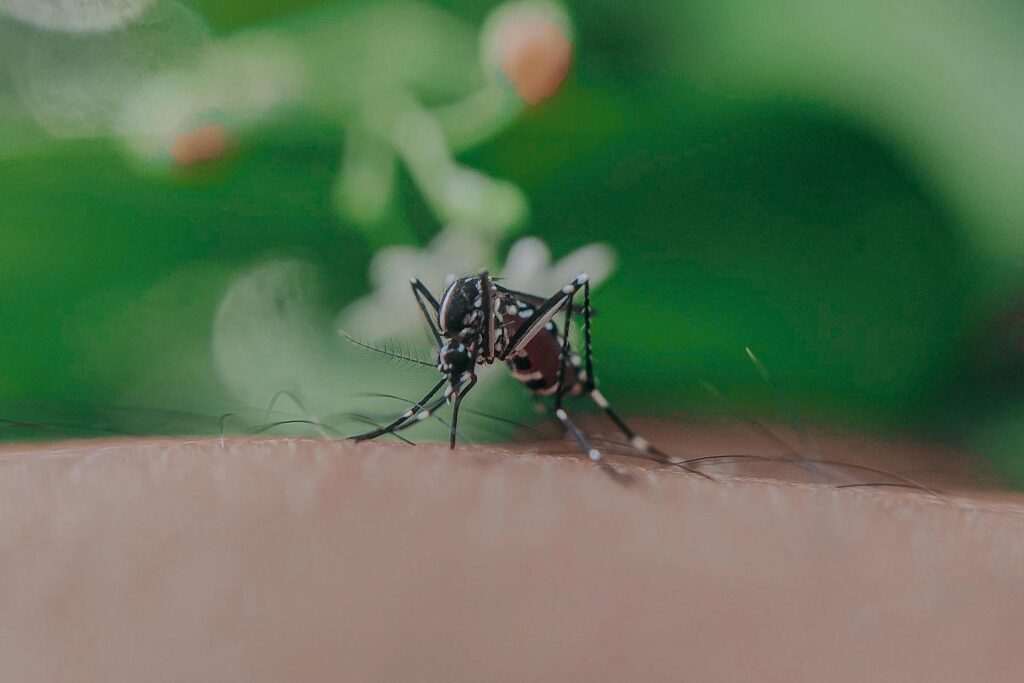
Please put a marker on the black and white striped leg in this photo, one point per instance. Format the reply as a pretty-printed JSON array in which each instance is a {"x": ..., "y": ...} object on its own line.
[
  {"x": 427, "y": 412},
  {"x": 487, "y": 328},
  {"x": 563, "y": 357},
  {"x": 581, "y": 439},
  {"x": 370, "y": 421},
  {"x": 455, "y": 410},
  {"x": 590, "y": 383},
  {"x": 588, "y": 361},
  {"x": 638, "y": 442},
  {"x": 542, "y": 315},
  {"x": 426, "y": 301},
  {"x": 405, "y": 418}
]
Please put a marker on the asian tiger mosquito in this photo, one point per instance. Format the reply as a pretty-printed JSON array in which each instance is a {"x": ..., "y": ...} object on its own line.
[{"x": 478, "y": 322}]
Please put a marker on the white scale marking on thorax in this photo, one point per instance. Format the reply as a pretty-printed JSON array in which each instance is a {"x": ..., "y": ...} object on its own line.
[{"x": 442, "y": 312}]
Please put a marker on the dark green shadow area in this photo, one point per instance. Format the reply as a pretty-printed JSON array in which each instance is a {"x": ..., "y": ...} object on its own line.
[{"x": 777, "y": 227}]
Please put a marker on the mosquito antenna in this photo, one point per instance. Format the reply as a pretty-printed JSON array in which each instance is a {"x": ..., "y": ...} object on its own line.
[{"x": 391, "y": 353}]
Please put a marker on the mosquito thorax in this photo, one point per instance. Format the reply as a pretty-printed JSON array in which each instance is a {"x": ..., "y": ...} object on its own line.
[{"x": 461, "y": 312}]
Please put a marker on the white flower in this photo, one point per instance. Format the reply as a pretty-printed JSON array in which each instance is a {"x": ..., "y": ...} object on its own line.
[
  {"x": 76, "y": 15},
  {"x": 528, "y": 266},
  {"x": 74, "y": 86},
  {"x": 391, "y": 311}
]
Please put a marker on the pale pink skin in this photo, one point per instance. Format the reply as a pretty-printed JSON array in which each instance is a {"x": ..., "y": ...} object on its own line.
[{"x": 304, "y": 560}]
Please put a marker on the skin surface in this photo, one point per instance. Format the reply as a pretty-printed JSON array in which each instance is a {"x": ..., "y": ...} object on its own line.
[{"x": 306, "y": 560}]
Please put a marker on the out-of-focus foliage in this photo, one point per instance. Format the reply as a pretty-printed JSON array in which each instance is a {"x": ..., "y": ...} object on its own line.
[{"x": 832, "y": 184}]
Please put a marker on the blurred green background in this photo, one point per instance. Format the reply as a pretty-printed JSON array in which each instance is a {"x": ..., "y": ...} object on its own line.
[{"x": 835, "y": 185}]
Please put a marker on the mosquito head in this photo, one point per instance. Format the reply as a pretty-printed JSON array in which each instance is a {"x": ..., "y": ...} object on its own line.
[{"x": 454, "y": 359}]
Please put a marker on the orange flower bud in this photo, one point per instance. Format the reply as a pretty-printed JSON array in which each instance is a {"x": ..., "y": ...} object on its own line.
[
  {"x": 200, "y": 145},
  {"x": 529, "y": 43}
]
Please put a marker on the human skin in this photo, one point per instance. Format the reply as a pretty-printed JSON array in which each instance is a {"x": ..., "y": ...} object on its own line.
[{"x": 302, "y": 559}]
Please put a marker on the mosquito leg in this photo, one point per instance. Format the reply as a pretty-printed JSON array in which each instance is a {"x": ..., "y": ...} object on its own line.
[
  {"x": 369, "y": 421},
  {"x": 420, "y": 289},
  {"x": 487, "y": 307},
  {"x": 590, "y": 387},
  {"x": 588, "y": 362},
  {"x": 441, "y": 420},
  {"x": 426, "y": 413},
  {"x": 418, "y": 413},
  {"x": 589, "y": 381},
  {"x": 402, "y": 419},
  {"x": 542, "y": 315},
  {"x": 636, "y": 441},
  {"x": 563, "y": 355},
  {"x": 423, "y": 299},
  {"x": 580, "y": 437},
  {"x": 455, "y": 410}
]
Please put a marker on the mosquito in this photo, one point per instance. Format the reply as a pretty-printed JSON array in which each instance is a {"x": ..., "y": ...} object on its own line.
[{"x": 478, "y": 322}]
